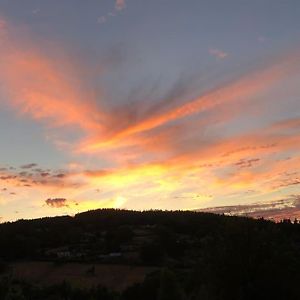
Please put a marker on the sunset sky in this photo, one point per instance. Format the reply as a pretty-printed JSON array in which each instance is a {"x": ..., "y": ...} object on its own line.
[{"x": 161, "y": 104}]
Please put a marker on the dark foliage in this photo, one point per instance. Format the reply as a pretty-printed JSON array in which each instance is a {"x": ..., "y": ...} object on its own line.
[{"x": 199, "y": 256}]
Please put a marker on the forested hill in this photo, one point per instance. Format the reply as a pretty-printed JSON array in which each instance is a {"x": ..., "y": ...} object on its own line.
[{"x": 195, "y": 255}]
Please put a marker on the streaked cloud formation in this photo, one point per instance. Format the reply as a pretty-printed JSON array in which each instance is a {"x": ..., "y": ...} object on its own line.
[
  {"x": 42, "y": 88},
  {"x": 218, "y": 53},
  {"x": 201, "y": 142},
  {"x": 275, "y": 210},
  {"x": 119, "y": 6}
]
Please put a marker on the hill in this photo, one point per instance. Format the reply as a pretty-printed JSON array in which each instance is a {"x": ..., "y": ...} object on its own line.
[{"x": 121, "y": 254}]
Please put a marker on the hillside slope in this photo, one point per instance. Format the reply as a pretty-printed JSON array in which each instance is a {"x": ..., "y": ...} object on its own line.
[{"x": 196, "y": 255}]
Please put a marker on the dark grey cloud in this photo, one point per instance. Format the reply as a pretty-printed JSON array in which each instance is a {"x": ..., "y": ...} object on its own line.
[
  {"x": 290, "y": 182},
  {"x": 247, "y": 163},
  {"x": 57, "y": 202},
  {"x": 8, "y": 177},
  {"x": 250, "y": 148},
  {"x": 61, "y": 175},
  {"x": 28, "y": 166},
  {"x": 45, "y": 174},
  {"x": 36, "y": 177}
]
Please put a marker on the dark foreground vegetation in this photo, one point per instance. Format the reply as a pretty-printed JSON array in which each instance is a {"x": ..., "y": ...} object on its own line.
[{"x": 193, "y": 255}]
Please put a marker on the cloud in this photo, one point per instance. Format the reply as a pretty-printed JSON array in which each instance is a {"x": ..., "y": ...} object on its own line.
[
  {"x": 97, "y": 173},
  {"x": 45, "y": 174},
  {"x": 39, "y": 178},
  {"x": 60, "y": 175},
  {"x": 29, "y": 166},
  {"x": 36, "y": 11},
  {"x": 220, "y": 54},
  {"x": 120, "y": 4},
  {"x": 242, "y": 163},
  {"x": 289, "y": 182},
  {"x": 45, "y": 88},
  {"x": 57, "y": 202},
  {"x": 235, "y": 93},
  {"x": 3, "y": 25},
  {"x": 7, "y": 177},
  {"x": 275, "y": 210},
  {"x": 159, "y": 147},
  {"x": 261, "y": 39},
  {"x": 101, "y": 19}
]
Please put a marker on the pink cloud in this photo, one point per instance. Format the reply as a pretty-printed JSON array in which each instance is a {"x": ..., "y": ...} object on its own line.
[
  {"x": 101, "y": 19},
  {"x": 220, "y": 54},
  {"x": 44, "y": 88},
  {"x": 275, "y": 210},
  {"x": 120, "y": 4}
]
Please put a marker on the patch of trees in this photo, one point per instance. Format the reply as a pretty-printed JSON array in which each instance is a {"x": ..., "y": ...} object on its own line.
[
  {"x": 22, "y": 290},
  {"x": 199, "y": 256}
]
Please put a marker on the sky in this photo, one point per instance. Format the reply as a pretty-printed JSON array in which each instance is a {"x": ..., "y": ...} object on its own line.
[{"x": 162, "y": 104}]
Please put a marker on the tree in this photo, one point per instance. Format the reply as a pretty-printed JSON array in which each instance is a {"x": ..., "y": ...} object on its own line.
[{"x": 170, "y": 288}]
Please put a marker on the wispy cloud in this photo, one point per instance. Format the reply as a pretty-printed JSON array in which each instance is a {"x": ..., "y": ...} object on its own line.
[
  {"x": 45, "y": 88},
  {"x": 38, "y": 178},
  {"x": 101, "y": 19},
  {"x": 274, "y": 210},
  {"x": 261, "y": 39},
  {"x": 234, "y": 93},
  {"x": 147, "y": 153},
  {"x": 220, "y": 54},
  {"x": 36, "y": 11},
  {"x": 29, "y": 166},
  {"x": 118, "y": 7},
  {"x": 2, "y": 25},
  {"x": 120, "y": 4}
]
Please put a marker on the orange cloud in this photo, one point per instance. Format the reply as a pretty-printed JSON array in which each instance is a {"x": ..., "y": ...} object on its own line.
[
  {"x": 45, "y": 88},
  {"x": 165, "y": 153},
  {"x": 256, "y": 156},
  {"x": 234, "y": 93}
]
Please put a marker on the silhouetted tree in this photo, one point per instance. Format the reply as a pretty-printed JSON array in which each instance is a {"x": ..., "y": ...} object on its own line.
[{"x": 169, "y": 288}]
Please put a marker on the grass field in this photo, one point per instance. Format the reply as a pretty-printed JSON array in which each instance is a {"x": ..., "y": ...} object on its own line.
[{"x": 115, "y": 277}]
